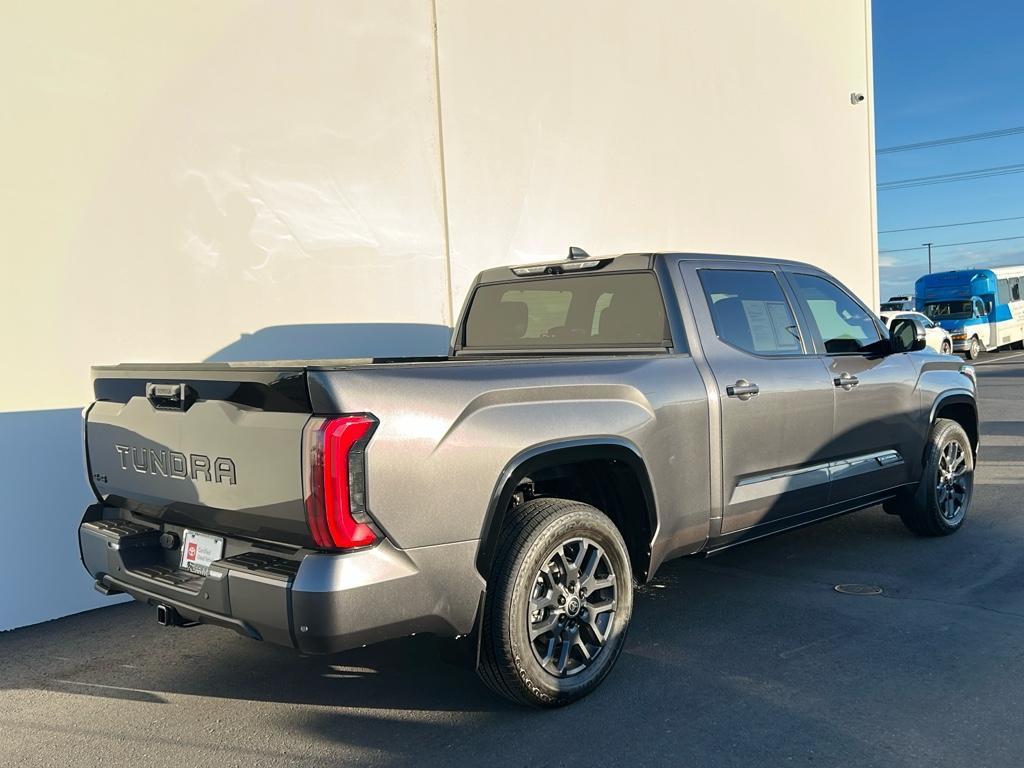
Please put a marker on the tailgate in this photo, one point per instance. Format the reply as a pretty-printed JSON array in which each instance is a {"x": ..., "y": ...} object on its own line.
[{"x": 217, "y": 448}]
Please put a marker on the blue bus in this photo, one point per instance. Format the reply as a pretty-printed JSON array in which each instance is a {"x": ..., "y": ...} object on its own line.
[{"x": 981, "y": 308}]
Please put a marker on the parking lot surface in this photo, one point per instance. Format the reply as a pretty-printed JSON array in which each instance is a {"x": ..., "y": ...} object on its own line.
[{"x": 748, "y": 658}]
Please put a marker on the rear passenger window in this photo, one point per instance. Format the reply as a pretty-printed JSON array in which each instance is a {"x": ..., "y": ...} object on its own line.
[
  {"x": 750, "y": 311},
  {"x": 844, "y": 326}
]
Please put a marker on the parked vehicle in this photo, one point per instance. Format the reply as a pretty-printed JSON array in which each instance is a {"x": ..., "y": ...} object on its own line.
[
  {"x": 898, "y": 304},
  {"x": 981, "y": 308},
  {"x": 936, "y": 337},
  {"x": 595, "y": 417}
]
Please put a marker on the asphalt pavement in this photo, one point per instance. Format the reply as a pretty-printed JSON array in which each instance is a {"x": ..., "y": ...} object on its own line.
[{"x": 749, "y": 658}]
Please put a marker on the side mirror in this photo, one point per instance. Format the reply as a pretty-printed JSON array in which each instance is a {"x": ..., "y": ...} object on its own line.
[{"x": 907, "y": 335}]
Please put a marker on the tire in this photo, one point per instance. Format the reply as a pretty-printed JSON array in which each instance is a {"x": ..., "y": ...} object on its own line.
[
  {"x": 974, "y": 349},
  {"x": 947, "y": 348},
  {"x": 537, "y": 581},
  {"x": 939, "y": 507},
  {"x": 1017, "y": 345}
]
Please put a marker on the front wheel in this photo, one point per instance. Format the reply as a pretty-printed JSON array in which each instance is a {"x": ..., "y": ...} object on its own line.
[
  {"x": 974, "y": 349},
  {"x": 559, "y": 603},
  {"x": 940, "y": 504},
  {"x": 947, "y": 348}
]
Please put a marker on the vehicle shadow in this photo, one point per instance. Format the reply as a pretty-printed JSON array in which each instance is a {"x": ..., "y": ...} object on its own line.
[
  {"x": 1004, "y": 371},
  {"x": 1001, "y": 429},
  {"x": 683, "y": 670},
  {"x": 751, "y": 652},
  {"x": 325, "y": 341}
]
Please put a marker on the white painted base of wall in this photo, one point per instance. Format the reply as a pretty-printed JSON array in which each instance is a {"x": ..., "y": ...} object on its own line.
[{"x": 46, "y": 493}]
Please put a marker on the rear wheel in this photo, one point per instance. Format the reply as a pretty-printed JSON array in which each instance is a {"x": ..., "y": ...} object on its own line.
[
  {"x": 974, "y": 349},
  {"x": 1017, "y": 345},
  {"x": 558, "y": 606},
  {"x": 940, "y": 504},
  {"x": 947, "y": 348}
]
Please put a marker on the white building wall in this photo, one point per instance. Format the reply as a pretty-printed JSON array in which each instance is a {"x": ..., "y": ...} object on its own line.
[
  {"x": 721, "y": 126},
  {"x": 252, "y": 180}
]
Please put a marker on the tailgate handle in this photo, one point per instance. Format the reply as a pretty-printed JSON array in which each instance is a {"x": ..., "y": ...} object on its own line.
[{"x": 170, "y": 397}]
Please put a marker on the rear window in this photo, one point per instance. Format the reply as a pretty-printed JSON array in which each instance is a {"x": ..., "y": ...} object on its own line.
[{"x": 615, "y": 310}]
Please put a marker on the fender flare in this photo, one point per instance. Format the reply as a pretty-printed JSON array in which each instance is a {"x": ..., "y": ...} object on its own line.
[
  {"x": 553, "y": 454},
  {"x": 957, "y": 397}
]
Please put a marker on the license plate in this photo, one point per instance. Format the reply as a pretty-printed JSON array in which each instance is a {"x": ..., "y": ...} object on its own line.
[{"x": 198, "y": 550}]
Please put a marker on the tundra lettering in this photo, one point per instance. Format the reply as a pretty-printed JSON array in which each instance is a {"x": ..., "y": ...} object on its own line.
[
  {"x": 592, "y": 419},
  {"x": 174, "y": 464}
]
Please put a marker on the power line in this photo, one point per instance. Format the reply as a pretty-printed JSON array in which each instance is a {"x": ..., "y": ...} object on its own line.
[
  {"x": 951, "y": 245},
  {"x": 944, "y": 226},
  {"x": 951, "y": 140},
  {"x": 945, "y": 178}
]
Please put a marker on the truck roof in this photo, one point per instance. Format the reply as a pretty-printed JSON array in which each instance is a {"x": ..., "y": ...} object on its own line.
[{"x": 620, "y": 262}]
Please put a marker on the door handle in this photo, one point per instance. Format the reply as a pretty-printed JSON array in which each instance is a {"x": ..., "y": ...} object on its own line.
[
  {"x": 742, "y": 389},
  {"x": 846, "y": 381}
]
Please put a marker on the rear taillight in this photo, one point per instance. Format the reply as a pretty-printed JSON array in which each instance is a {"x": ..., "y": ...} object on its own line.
[{"x": 334, "y": 452}]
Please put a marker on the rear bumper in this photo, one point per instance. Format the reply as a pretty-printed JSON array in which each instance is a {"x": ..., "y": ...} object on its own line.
[{"x": 317, "y": 603}]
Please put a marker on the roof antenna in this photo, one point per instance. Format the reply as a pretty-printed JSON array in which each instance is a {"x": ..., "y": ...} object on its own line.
[{"x": 577, "y": 253}]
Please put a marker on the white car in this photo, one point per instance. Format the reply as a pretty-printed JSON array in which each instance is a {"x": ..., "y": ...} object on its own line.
[{"x": 937, "y": 337}]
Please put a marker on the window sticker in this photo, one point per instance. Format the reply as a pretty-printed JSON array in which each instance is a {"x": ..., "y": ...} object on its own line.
[
  {"x": 760, "y": 323},
  {"x": 769, "y": 323}
]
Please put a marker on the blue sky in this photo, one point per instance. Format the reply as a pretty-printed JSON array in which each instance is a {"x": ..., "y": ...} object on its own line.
[{"x": 948, "y": 68}]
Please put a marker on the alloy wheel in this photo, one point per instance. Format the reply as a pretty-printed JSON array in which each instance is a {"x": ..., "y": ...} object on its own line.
[
  {"x": 572, "y": 607},
  {"x": 953, "y": 484}
]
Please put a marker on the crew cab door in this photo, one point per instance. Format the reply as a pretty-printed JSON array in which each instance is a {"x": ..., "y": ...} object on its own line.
[
  {"x": 775, "y": 399},
  {"x": 877, "y": 435}
]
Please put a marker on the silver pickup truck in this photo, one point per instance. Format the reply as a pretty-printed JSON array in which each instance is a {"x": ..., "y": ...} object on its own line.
[{"x": 594, "y": 418}]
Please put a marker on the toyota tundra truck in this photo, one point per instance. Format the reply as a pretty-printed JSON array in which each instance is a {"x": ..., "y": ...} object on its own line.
[{"x": 594, "y": 418}]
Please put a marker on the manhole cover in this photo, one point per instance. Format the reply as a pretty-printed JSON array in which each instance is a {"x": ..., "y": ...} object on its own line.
[{"x": 858, "y": 589}]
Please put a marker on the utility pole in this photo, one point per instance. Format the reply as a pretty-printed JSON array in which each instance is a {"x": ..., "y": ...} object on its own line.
[{"x": 929, "y": 256}]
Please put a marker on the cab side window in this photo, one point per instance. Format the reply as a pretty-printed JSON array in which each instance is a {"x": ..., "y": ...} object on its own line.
[
  {"x": 844, "y": 326},
  {"x": 751, "y": 312}
]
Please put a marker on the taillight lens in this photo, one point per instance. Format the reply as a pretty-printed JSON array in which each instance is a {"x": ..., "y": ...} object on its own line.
[{"x": 335, "y": 481}]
